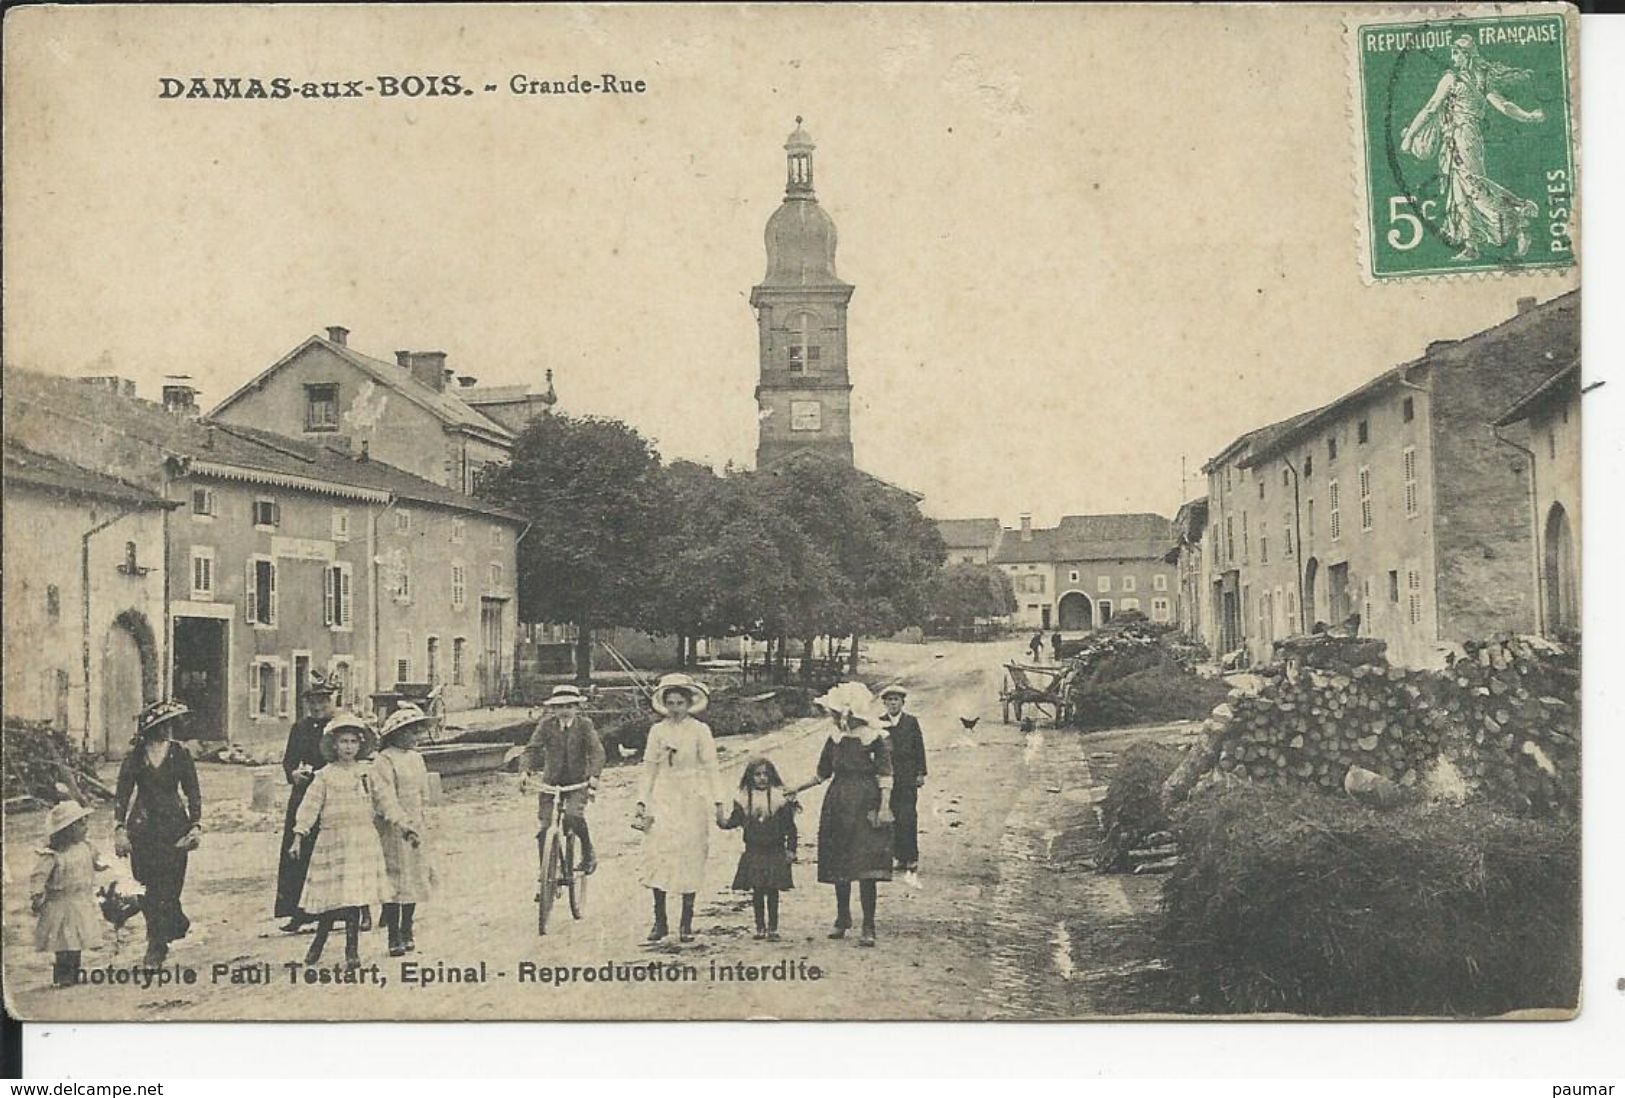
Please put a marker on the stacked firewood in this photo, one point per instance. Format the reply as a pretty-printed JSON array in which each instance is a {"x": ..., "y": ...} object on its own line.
[{"x": 1501, "y": 722}]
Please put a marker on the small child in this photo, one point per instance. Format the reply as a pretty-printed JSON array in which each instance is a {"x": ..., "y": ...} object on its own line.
[
  {"x": 346, "y": 873},
  {"x": 763, "y": 808},
  {"x": 62, "y": 892}
]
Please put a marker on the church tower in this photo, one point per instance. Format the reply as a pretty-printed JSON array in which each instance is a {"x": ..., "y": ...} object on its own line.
[{"x": 803, "y": 391}]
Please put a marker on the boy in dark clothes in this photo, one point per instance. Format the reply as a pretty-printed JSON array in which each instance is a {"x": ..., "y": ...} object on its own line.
[{"x": 908, "y": 775}]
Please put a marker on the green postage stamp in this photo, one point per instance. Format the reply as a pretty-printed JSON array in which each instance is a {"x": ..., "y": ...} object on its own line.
[{"x": 1465, "y": 132}]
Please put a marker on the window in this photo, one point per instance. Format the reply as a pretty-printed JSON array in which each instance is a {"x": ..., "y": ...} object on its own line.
[
  {"x": 1073, "y": 576},
  {"x": 459, "y": 647},
  {"x": 803, "y": 352},
  {"x": 53, "y": 602},
  {"x": 1246, "y": 542},
  {"x": 403, "y": 655},
  {"x": 202, "y": 572},
  {"x": 203, "y": 502},
  {"x": 1286, "y": 477},
  {"x": 1128, "y": 604},
  {"x": 805, "y": 415},
  {"x": 403, "y": 521},
  {"x": 458, "y": 531},
  {"x": 132, "y": 566},
  {"x": 1159, "y": 582},
  {"x": 1230, "y": 538},
  {"x": 1408, "y": 459},
  {"x": 1407, "y": 409},
  {"x": 1393, "y": 585},
  {"x": 341, "y": 524},
  {"x": 321, "y": 407},
  {"x": 493, "y": 578},
  {"x": 1286, "y": 532},
  {"x": 459, "y": 586},
  {"x": 1105, "y": 606},
  {"x": 268, "y": 688},
  {"x": 1366, "y": 516},
  {"x": 1413, "y": 587},
  {"x": 1309, "y": 517},
  {"x": 1308, "y": 466},
  {"x": 1365, "y": 604},
  {"x": 431, "y": 666},
  {"x": 341, "y": 673},
  {"x": 1551, "y": 445},
  {"x": 1331, "y": 447},
  {"x": 259, "y": 587},
  {"x": 1260, "y": 487},
  {"x": 1263, "y": 548},
  {"x": 1159, "y": 609},
  {"x": 1128, "y": 583},
  {"x": 1362, "y": 431},
  {"x": 1336, "y": 520},
  {"x": 337, "y": 603},
  {"x": 1291, "y": 611},
  {"x": 1103, "y": 584},
  {"x": 267, "y": 514}
]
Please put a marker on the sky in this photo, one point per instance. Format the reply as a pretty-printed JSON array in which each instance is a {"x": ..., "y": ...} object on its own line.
[{"x": 1090, "y": 246}]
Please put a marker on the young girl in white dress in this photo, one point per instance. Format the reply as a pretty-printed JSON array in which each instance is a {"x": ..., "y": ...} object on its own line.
[
  {"x": 681, "y": 797},
  {"x": 400, "y": 795}
]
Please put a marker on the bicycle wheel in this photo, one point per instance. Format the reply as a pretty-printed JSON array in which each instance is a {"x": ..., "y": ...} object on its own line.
[
  {"x": 548, "y": 886},
  {"x": 575, "y": 880}
]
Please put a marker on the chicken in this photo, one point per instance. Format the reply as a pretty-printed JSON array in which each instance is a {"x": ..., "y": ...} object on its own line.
[{"x": 969, "y": 723}]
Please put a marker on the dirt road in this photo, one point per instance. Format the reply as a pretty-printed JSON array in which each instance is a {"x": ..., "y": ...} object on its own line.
[{"x": 1007, "y": 921}]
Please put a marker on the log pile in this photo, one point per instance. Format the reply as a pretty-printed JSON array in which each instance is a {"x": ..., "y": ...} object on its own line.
[
  {"x": 42, "y": 767},
  {"x": 1504, "y": 715}
]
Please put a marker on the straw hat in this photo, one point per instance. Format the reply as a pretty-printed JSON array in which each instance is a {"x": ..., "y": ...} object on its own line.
[
  {"x": 405, "y": 716},
  {"x": 893, "y": 690},
  {"x": 350, "y": 722},
  {"x": 320, "y": 684},
  {"x": 566, "y": 695},
  {"x": 699, "y": 694},
  {"x": 64, "y": 814},
  {"x": 156, "y": 715}
]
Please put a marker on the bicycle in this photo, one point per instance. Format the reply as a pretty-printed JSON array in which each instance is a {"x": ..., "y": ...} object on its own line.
[{"x": 558, "y": 851}]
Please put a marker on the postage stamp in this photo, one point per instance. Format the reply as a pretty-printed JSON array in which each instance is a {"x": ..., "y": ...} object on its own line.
[{"x": 1466, "y": 136}]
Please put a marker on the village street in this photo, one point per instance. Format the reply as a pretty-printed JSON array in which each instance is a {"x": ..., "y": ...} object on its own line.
[{"x": 1009, "y": 920}]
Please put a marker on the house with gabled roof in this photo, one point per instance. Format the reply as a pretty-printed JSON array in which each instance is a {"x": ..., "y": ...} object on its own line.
[{"x": 1080, "y": 573}]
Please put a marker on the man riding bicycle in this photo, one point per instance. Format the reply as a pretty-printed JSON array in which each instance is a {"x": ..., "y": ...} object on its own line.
[{"x": 567, "y": 750}]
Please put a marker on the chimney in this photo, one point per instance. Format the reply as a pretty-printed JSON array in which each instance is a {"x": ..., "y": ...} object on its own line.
[
  {"x": 111, "y": 382},
  {"x": 180, "y": 396},
  {"x": 428, "y": 368},
  {"x": 1525, "y": 304},
  {"x": 364, "y": 455},
  {"x": 467, "y": 381},
  {"x": 1026, "y": 527},
  {"x": 337, "y": 333}
]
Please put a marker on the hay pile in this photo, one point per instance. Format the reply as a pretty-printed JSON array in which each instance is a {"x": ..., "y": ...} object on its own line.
[
  {"x": 1286, "y": 900},
  {"x": 1134, "y": 824},
  {"x": 1501, "y": 724}
]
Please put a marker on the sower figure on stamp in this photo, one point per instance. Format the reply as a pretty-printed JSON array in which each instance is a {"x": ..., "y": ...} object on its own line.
[
  {"x": 908, "y": 775},
  {"x": 855, "y": 824},
  {"x": 565, "y": 747},
  {"x": 300, "y": 761}
]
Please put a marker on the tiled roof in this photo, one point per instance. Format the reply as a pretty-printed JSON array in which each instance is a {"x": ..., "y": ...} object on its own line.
[
  {"x": 128, "y": 439},
  {"x": 1140, "y": 536},
  {"x": 62, "y": 477},
  {"x": 1564, "y": 382},
  {"x": 971, "y": 533},
  {"x": 444, "y": 405}
]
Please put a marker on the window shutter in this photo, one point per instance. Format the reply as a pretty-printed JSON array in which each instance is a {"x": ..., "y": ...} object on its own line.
[
  {"x": 250, "y": 595},
  {"x": 253, "y": 689},
  {"x": 282, "y": 689},
  {"x": 344, "y": 596},
  {"x": 330, "y": 577},
  {"x": 270, "y": 588}
]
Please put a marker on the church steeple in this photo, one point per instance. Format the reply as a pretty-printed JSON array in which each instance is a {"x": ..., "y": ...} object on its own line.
[{"x": 804, "y": 393}]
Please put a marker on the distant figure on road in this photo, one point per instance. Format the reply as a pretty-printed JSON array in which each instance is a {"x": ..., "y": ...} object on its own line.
[
  {"x": 1055, "y": 645},
  {"x": 1036, "y": 646}
]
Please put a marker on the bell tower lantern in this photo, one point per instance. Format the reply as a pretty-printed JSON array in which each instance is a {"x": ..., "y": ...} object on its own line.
[{"x": 803, "y": 391}]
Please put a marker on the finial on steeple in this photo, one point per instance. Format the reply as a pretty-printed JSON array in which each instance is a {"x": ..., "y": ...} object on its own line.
[
  {"x": 551, "y": 397},
  {"x": 799, "y": 161}
]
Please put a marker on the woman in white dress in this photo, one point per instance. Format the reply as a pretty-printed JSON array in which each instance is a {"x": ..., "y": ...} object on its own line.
[{"x": 681, "y": 796}]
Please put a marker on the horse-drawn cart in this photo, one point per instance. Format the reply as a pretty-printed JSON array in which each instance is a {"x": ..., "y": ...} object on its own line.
[{"x": 1043, "y": 688}]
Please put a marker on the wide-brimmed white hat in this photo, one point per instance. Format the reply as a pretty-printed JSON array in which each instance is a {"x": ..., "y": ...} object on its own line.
[
  {"x": 699, "y": 694},
  {"x": 64, "y": 814},
  {"x": 853, "y": 701},
  {"x": 892, "y": 690},
  {"x": 350, "y": 722},
  {"x": 405, "y": 716},
  {"x": 566, "y": 695}
]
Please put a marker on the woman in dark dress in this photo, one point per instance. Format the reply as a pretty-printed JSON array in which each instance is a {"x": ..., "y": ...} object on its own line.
[
  {"x": 855, "y": 825},
  {"x": 300, "y": 761},
  {"x": 156, "y": 809}
]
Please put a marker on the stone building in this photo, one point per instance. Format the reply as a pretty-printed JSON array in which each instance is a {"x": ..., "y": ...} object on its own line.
[
  {"x": 971, "y": 541},
  {"x": 1190, "y": 524},
  {"x": 1077, "y": 575},
  {"x": 84, "y": 579},
  {"x": 1398, "y": 502},
  {"x": 287, "y": 555},
  {"x": 803, "y": 391},
  {"x": 1549, "y": 416}
]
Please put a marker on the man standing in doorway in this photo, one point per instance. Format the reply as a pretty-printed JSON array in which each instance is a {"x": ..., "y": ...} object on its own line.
[{"x": 908, "y": 775}]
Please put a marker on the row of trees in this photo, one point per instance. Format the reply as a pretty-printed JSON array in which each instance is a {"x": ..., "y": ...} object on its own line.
[{"x": 810, "y": 548}]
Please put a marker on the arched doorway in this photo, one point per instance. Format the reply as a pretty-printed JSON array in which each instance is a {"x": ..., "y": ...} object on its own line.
[
  {"x": 129, "y": 678},
  {"x": 1077, "y": 613},
  {"x": 1562, "y": 598},
  {"x": 1311, "y": 601}
]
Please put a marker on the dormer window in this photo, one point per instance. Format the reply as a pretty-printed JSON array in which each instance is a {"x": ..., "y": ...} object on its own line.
[{"x": 321, "y": 407}]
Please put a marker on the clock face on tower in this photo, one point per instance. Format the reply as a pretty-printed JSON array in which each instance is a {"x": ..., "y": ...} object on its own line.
[{"x": 806, "y": 415}]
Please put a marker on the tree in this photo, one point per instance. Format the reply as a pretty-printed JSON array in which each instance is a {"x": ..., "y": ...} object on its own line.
[
  {"x": 595, "y": 495},
  {"x": 964, "y": 592}
]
